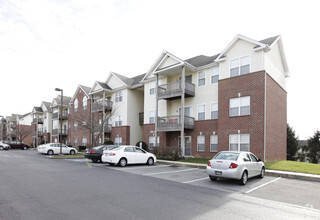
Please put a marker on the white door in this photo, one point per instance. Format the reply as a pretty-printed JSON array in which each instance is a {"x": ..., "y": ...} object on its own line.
[
  {"x": 130, "y": 154},
  {"x": 141, "y": 156}
]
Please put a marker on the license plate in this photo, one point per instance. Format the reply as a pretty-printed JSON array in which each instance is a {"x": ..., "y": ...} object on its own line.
[{"x": 218, "y": 172}]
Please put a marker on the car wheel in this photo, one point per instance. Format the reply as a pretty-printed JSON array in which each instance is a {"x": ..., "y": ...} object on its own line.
[
  {"x": 244, "y": 178},
  {"x": 72, "y": 152},
  {"x": 213, "y": 178},
  {"x": 122, "y": 162},
  {"x": 25, "y": 148},
  {"x": 111, "y": 164},
  {"x": 94, "y": 160},
  {"x": 1, "y": 148},
  {"x": 263, "y": 171},
  {"x": 150, "y": 161},
  {"x": 50, "y": 152}
]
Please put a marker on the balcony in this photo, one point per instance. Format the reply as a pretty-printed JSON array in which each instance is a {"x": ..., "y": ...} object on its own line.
[
  {"x": 173, "y": 90},
  {"x": 56, "y": 115},
  {"x": 13, "y": 126},
  {"x": 174, "y": 123},
  {"x": 37, "y": 133},
  {"x": 141, "y": 118},
  {"x": 98, "y": 106},
  {"x": 107, "y": 129},
  {"x": 37, "y": 121},
  {"x": 57, "y": 132},
  {"x": 12, "y": 134}
]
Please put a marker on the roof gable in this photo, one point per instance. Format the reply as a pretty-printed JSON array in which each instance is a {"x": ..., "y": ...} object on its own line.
[{"x": 85, "y": 89}]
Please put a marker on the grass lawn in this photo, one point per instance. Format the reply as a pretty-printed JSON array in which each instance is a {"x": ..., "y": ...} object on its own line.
[
  {"x": 294, "y": 166},
  {"x": 196, "y": 160},
  {"x": 75, "y": 156}
]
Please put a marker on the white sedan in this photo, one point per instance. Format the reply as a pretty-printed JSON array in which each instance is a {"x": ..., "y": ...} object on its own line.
[
  {"x": 124, "y": 155},
  {"x": 235, "y": 165},
  {"x": 54, "y": 148}
]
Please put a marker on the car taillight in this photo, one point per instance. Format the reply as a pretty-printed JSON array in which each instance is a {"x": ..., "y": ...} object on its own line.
[
  {"x": 233, "y": 166},
  {"x": 92, "y": 151},
  {"x": 209, "y": 164},
  {"x": 112, "y": 154}
]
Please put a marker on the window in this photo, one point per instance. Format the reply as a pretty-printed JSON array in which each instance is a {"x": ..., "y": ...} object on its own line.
[
  {"x": 239, "y": 106},
  {"x": 214, "y": 74},
  {"x": 200, "y": 143},
  {"x": 152, "y": 88},
  {"x": 75, "y": 126},
  {"x": 214, "y": 143},
  {"x": 84, "y": 125},
  {"x": 84, "y": 141},
  {"x": 240, "y": 66},
  {"x": 187, "y": 111},
  {"x": 99, "y": 140},
  {"x": 75, "y": 142},
  {"x": 239, "y": 142},
  {"x": 76, "y": 105},
  {"x": 214, "y": 111},
  {"x": 119, "y": 96},
  {"x": 152, "y": 116},
  {"x": 84, "y": 103},
  {"x": 45, "y": 116},
  {"x": 118, "y": 121},
  {"x": 201, "y": 112},
  {"x": 118, "y": 141},
  {"x": 152, "y": 141},
  {"x": 201, "y": 78},
  {"x": 100, "y": 121}
]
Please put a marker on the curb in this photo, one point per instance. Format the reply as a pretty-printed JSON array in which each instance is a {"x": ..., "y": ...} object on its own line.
[{"x": 276, "y": 173}]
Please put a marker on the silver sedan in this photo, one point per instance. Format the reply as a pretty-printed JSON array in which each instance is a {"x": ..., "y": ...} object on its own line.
[{"x": 235, "y": 165}]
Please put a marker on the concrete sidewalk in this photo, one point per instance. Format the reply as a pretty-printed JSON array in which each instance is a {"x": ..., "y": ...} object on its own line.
[{"x": 278, "y": 173}]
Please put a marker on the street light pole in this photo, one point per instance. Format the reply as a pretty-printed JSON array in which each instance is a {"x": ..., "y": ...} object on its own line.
[{"x": 61, "y": 101}]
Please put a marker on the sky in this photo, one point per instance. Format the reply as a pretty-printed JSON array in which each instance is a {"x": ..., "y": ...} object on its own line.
[{"x": 48, "y": 44}]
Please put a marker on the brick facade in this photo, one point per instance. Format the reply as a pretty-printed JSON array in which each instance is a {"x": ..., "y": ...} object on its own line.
[{"x": 121, "y": 131}]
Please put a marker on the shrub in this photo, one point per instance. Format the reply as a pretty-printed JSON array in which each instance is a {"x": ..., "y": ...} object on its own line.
[
  {"x": 108, "y": 142},
  {"x": 144, "y": 145}
]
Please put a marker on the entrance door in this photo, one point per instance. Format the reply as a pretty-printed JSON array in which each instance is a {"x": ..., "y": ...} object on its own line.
[{"x": 187, "y": 149}]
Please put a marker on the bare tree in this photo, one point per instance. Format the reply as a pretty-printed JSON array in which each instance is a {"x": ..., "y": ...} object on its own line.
[{"x": 22, "y": 132}]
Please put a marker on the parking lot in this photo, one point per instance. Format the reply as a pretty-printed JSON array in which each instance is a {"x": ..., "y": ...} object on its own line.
[{"x": 296, "y": 192}]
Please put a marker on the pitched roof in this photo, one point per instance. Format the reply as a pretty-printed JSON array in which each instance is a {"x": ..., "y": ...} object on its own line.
[
  {"x": 47, "y": 104},
  {"x": 130, "y": 81},
  {"x": 38, "y": 109},
  {"x": 86, "y": 89},
  {"x": 66, "y": 100},
  {"x": 104, "y": 85},
  {"x": 137, "y": 79},
  {"x": 201, "y": 60},
  {"x": 270, "y": 40}
]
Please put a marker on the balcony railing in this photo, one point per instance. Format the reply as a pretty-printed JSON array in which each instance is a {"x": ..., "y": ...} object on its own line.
[
  {"x": 107, "y": 129},
  {"x": 141, "y": 118},
  {"x": 37, "y": 133},
  {"x": 173, "y": 90},
  {"x": 56, "y": 115},
  {"x": 12, "y": 134},
  {"x": 57, "y": 132},
  {"x": 174, "y": 123},
  {"x": 13, "y": 126},
  {"x": 98, "y": 106},
  {"x": 37, "y": 121}
]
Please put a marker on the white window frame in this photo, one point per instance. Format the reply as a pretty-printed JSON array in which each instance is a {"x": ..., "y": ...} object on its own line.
[
  {"x": 211, "y": 109},
  {"x": 119, "y": 96},
  {"x": 84, "y": 141},
  {"x": 84, "y": 103},
  {"x": 75, "y": 142},
  {"x": 118, "y": 121},
  {"x": 214, "y": 72},
  {"x": 202, "y": 78},
  {"x": 76, "y": 105},
  {"x": 203, "y": 138},
  {"x": 239, "y": 139},
  {"x": 240, "y": 64},
  {"x": 75, "y": 125},
  {"x": 152, "y": 89},
  {"x": 118, "y": 141},
  {"x": 201, "y": 112},
  {"x": 214, "y": 141},
  {"x": 152, "y": 117},
  {"x": 240, "y": 103},
  {"x": 152, "y": 141}
]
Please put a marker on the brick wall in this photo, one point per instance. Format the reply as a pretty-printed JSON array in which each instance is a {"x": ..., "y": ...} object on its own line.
[
  {"x": 252, "y": 85},
  {"x": 276, "y": 118},
  {"x": 121, "y": 131}
]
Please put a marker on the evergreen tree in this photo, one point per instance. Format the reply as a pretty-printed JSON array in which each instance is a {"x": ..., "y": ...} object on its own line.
[
  {"x": 292, "y": 143},
  {"x": 313, "y": 148}
]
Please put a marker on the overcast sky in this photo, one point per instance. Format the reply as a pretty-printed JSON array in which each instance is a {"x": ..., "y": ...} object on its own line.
[{"x": 46, "y": 44}]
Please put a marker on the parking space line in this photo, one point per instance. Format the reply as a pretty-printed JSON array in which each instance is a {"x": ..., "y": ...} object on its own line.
[
  {"x": 251, "y": 190},
  {"x": 176, "y": 171},
  {"x": 191, "y": 181},
  {"x": 135, "y": 168}
]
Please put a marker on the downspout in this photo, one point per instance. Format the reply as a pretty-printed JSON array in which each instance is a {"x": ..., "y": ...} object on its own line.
[{"x": 265, "y": 110}]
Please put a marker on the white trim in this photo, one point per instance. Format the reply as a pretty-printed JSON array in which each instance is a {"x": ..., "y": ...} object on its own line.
[
  {"x": 114, "y": 74},
  {"x": 205, "y": 109},
  {"x": 205, "y": 74},
  {"x": 239, "y": 37},
  {"x": 211, "y": 74},
  {"x": 211, "y": 110},
  {"x": 239, "y": 58},
  {"x": 204, "y": 143},
  {"x": 210, "y": 143},
  {"x": 163, "y": 53}
]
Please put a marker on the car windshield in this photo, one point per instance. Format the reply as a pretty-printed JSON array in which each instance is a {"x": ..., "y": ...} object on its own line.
[
  {"x": 98, "y": 147},
  {"x": 111, "y": 147},
  {"x": 226, "y": 156},
  {"x": 117, "y": 148}
]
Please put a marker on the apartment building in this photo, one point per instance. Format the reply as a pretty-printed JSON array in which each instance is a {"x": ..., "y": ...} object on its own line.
[
  {"x": 80, "y": 123},
  {"x": 3, "y": 128},
  {"x": 58, "y": 118},
  {"x": 234, "y": 100},
  {"x": 116, "y": 105},
  {"x": 24, "y": 129},
  {"x": 41, "y": 124}
]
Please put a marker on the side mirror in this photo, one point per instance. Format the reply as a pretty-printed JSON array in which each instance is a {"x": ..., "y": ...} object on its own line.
[{"x": 259, "y": 160}]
